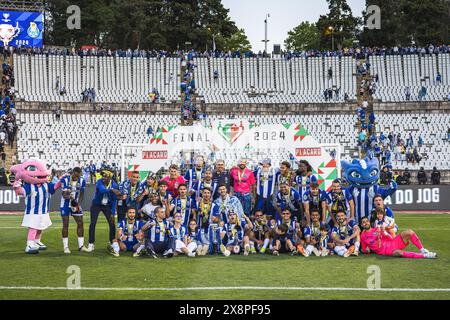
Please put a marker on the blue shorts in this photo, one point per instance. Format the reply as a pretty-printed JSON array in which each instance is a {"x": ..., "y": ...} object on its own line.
[
  {"x": 65, "y": 212},
  {"x": 266, "y": 205},
  {"x": 130, "y": 244}
]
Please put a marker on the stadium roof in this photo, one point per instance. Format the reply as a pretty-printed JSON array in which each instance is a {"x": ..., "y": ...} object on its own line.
[{"x": 22, "y": 5}]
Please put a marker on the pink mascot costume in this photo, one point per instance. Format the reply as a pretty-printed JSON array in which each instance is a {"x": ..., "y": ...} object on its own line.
[{"x": 31, "y": 182}]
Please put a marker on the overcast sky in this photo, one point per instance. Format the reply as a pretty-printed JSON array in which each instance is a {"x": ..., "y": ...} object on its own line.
[{"x": 284, "y": 16}]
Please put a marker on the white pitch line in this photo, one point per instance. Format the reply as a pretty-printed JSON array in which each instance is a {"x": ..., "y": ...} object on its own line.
[{"x": 234, "y": 288}]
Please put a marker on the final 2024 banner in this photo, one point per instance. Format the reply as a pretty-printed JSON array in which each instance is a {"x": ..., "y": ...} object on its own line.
[{"x": 21, "y": 29}]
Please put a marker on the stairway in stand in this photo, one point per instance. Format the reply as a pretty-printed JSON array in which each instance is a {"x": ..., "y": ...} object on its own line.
[{"x": 364, "y": 97}]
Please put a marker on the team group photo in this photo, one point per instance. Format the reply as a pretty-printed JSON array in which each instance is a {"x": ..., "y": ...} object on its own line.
[{"x": 167, "y": 142}]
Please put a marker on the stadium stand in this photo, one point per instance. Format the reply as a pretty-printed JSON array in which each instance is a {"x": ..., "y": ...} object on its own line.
[
  {"x": 227, "y": 82},
  {"x": 397, "y": 73},
  {"x": 239, "y": 80},
  {"x": 41, "y": 78},
  {"x": 84, "y": 137}
]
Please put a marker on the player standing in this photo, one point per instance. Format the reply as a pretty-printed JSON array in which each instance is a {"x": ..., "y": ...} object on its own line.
[
  {"x": 72, "y": 194},
  {"x": 265, "y": 187},
  {"x": 315, "y": 200},
  {"x": 184, "y": 205}
]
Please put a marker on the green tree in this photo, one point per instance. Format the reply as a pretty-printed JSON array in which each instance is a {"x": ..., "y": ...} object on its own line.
[
  {"x": 237, "y": 41},
  {"x": 405, "y": 21},
  {"x": 339, "y": 24},
  {"x": 147, "y": 24},
  {"x": 305, "y": 36}
]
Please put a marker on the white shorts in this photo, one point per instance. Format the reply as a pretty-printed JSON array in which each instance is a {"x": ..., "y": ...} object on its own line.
[
  {"x": 180, "y": 244},
  {"x": 36, "y": 221}
]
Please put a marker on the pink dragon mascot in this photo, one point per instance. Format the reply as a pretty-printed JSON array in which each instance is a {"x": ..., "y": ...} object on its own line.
[{"x": 31, "y": 182}]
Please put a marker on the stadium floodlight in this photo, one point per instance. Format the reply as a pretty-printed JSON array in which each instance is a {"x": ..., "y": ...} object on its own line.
[{"x": 265, "y": 32}]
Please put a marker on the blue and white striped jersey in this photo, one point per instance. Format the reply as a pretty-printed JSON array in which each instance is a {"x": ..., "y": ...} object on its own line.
[
  {"x": 303, "y": 183},
  {"x": 265, "y": 182},
  {"x": 160, "y": 231},
  {"x": 292, "y": 201},
  {"x": 235, "y": 232},
  {"x": 192, "y": 176},
  {"x": 363, "y": 198},
  {"x": 178, "y": 233},
  {"x": 130, "y": 230},
  {"x": 75, "y": 188},
  {"x": 185, "y": 207},
  {"x": 198, "y": 187},
  {"x": 204, "y": 216},
  {"x": 313, "y": 231},
  {"x": 130, "y": 191},
  {"x": 344, "y": 231},
  {"x": 37, "y": 200},
  {"x": 292, "y": 231},
  {"x": 340, "y": 201}
]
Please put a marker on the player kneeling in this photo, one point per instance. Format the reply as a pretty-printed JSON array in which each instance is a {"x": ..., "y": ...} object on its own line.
[
  {"x": 158, "y": 238},
  {"x": 233, "y": 235},
  {"x": 182, "y": 242},
  {"x": 345, "y": 235},
  {"x": 316, "y": 237},
  {"x": 284, "y": 234},
  {"x": 129, "y": 235},
  {"x": 259, "y": 235}
]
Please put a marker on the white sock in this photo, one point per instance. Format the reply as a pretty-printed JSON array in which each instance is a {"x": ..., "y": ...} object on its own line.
[
  {"x": 139, "y": 249},
  {"x": 65, "y": 242},
  {"x": 247, "y": 247},
  {"x": 356, "y": 246},
  {"x": 31, "y": 243},
  {"x": 309, "y": 249},
  {"x": 266, "y": 243},
  {"x": 252, "y": 245},
  {"x": 116, "y": 247},
  {"x": 423, "y": 250},
  {"x": 80, "y": 242}
]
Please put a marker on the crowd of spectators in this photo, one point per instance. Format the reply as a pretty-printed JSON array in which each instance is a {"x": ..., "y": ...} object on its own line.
[{"x": 8, "y": 113}]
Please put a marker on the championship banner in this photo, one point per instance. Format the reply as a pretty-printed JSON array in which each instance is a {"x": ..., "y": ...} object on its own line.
[
  {"x": 21, "y": 29},
  {"x": 234, "y": 139}
]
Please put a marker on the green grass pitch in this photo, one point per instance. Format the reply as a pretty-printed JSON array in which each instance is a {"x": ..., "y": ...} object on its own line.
[{"x": 101, "y": 270}]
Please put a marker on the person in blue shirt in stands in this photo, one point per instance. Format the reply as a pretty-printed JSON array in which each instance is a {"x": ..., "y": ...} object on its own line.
[{"x": 105, "y": 200}]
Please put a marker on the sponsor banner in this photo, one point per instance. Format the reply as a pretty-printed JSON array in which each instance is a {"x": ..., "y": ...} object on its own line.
[
  {"x": 406, "y": 198},
  {"x": 149, "y": 154},
  {"x": 308, "y": 152},
  {"x": 10, "y": 202},
  {"x": 420, "y": 198},
  {"x": 21, "y": 29}
]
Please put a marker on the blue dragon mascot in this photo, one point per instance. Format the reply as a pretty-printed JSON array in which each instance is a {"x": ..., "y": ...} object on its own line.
[{"x": 363, "y": 176}]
